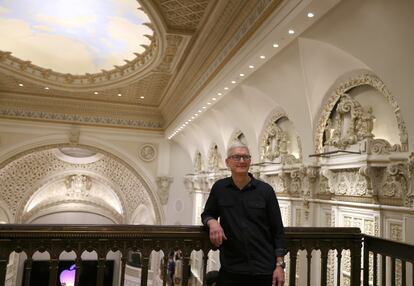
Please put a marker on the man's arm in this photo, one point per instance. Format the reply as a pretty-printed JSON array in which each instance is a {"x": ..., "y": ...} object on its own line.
[{"x": 209, "y": 218}]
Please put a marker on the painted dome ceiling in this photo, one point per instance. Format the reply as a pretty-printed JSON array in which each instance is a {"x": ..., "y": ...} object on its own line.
[
  {"x": 118, "y": 63},
  {"x": 75, "y": 37}
]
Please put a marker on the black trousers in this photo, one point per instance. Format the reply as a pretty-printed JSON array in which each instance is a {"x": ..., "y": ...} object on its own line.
[{"x": 234, "y": 279}]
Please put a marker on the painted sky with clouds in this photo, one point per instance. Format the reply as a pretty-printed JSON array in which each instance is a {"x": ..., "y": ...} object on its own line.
[{"x": 73, "y": 36}]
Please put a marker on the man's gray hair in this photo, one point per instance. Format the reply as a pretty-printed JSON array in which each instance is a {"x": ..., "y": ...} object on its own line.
[{"x": 236, "y": 144}]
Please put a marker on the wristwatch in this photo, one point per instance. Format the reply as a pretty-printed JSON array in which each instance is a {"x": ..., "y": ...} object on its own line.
[{"x": 281, "y": 264}]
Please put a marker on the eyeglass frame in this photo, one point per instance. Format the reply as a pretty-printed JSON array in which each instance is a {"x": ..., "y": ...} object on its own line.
[{"x": 238, "y": 158}]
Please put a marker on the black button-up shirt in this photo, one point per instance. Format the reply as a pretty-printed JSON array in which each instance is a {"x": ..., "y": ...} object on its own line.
[{"x": 252, "y": 223}]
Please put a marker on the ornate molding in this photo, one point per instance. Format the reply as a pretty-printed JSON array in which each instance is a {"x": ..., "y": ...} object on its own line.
[
  {"x": 274, "y": 142},
  {"x": 363, "y": 79},
  {"x": 147, "y": 152},
  {"x": 26, "y": 68},
  {"x": 76, "y": 118},
  {"x": 28, "y": 171}
]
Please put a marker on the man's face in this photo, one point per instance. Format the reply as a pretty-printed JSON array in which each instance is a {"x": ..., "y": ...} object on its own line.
[{"x": 239, "y": 160}]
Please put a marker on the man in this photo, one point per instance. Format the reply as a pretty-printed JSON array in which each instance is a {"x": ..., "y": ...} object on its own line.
[{"x": 244, "y": 221}]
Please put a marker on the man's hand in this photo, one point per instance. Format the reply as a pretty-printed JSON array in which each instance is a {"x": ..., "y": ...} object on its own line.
[
  {"x": 216, "y": 232},
  {"x": 278, "y": 276}
]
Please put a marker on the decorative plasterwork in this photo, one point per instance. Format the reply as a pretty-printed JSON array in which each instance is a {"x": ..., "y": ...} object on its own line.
[
  {"x": 274, "y": 142},
  {"x": 147, "y": 152},
  {"x": 364, "y": 79},
  {"x": 237, "y": 136},
  {"x": 26, "y": 172},
  {"x": 237, "y": 22},
  {"x": 26, "y": 68},
  {"x": 215, "y": 161},
  {"x": 163, "y": 184},
  {"x": 183, "y": 14},
  {"x": 198, "y": 162},
  {"x": 75, "y": 118}
]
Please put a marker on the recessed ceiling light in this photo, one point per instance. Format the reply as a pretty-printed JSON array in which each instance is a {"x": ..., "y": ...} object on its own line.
[
  {"x": 96, "y": 92},
  {"x": 213, "y": 98},
  {"x": 251, "y": 66},
  {"x": 192, "y": 117},
  {"x": 242, "y": 74},
  {"x": 195, "y": 114},
  {"x": 311, "y": 15},
  {"x": 204, "y": 107},
  {"x": 189, "y": 120},
  {"x": 46, "y": 87},
  {"x": 226, "y": 88},
  {"x": 20, "y": 84},
  {"x": 208, "y": 103},
  {"x": 199, "y": 111},
  {"x": 233, "y": 81},
  {"x": 291, "y": 32},
  {"x": 119, "y": 94},
  {"x": 262, "y": 57},
  {"x": 142, "y": 97},
  {"x": 219, "y": 93},
  {"x": 275, "y": 45}
]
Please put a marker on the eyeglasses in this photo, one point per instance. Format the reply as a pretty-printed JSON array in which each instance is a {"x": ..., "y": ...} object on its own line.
[{"x": 239, "y": 157}]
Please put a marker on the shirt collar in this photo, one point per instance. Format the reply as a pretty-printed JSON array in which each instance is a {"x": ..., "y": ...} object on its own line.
[{"x": 252, "y": 183}]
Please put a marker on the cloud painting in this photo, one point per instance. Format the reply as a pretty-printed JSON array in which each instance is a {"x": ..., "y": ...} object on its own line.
[{"x": 76, "y": 36}]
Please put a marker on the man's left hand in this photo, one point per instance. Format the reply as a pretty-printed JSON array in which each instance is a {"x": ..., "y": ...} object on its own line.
[{"x": 278, "y": 276}]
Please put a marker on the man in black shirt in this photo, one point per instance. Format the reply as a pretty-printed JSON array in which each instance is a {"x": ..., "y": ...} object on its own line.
[{"x": 244, "y": 221}]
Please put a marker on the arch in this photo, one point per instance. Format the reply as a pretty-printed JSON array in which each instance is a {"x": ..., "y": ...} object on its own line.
[
  {"x": 116, "y": 169},
  {"x": 105, "y": 202},
  {"x": 274, "y": 120},
  {"x": 341, "y": 89},
  {"x": 239, "y": 136}
]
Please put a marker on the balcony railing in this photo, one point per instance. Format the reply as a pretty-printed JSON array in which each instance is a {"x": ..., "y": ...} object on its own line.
[{"x": 309, "y": 248}]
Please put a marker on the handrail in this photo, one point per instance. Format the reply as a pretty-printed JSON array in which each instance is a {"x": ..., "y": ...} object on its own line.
[
  {"x": 381, "y": 249},
  {"x": 145, "y": 238}
]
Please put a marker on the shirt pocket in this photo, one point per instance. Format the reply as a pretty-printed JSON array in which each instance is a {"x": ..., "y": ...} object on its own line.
[{"x": 256, "y": 209}]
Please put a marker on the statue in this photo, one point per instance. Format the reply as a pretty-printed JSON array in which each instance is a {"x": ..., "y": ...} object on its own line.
[
  {"x": 365, "y": 124},
  {"x": 198, "y": 164},
  {"x": 214, "y": 160}
]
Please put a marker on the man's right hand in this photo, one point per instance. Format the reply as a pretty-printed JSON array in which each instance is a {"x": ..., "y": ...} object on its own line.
[{"x": 216, "y": 232}]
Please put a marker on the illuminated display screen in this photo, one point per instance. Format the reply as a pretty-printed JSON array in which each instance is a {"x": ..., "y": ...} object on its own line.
[{"x": 39, "y": 274}]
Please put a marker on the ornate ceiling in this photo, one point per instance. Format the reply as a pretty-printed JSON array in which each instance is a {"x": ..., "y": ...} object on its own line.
[{"x": 192, "y": 41}]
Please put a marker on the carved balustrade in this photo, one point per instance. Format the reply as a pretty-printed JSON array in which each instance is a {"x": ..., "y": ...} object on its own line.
[
  {"x": 55, "y": 239},
  {"x": 321, "y": 243}
]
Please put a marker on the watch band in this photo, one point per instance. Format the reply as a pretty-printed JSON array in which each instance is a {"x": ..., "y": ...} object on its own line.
[{"x": 281, "y": 264}]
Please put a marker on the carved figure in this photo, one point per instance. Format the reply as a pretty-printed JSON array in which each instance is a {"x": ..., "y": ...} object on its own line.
[
  {"x": 214, "y": 159},
  {"x": 77, "y": 185},
  {"x": 198, "y": 163},
  {"x": 365, "y": 124}
]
